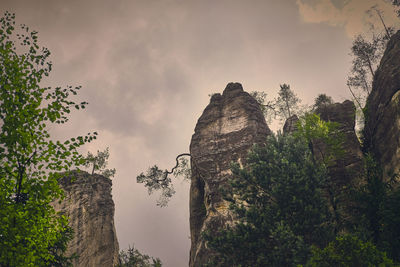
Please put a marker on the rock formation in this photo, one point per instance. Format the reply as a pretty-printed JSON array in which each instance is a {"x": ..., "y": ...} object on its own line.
[
  {"x": 89, "y": 205},
  {"x": 290, "y": 125},
  {"x": 382, "y": 127},
  {"x": 233, "y": 122},
  {"x": 350, "y": 164},
  {"x": 227, "y": 129},
  {"x": 346, "y": 171}
]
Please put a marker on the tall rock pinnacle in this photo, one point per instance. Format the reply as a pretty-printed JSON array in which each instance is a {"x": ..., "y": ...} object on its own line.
[{"x": 227, "y": 129}]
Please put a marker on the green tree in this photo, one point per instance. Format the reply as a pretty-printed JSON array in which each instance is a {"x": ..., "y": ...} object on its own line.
[
  {"x": 279, "y": 203},
  {"x": 287, "y": 103},
  {"x": 322, "y": 100},
  {"x": 283, "y": 107},
  {"x": 133, "y": 258},
  {"x": 314, "y": 130},
  {"x": 267, "y": 107},
  {"x": 375, "y": 10},
  {"x": 367, "y": 53},
  {"x": 347, "y": 251},
  {"x": 378, "y": 206},
  {"x": 325, "y": 140},
  {"x": 390, "y": 226},
  {"x": 100, "y": 162},
  {"x": 31, "y": 162}
]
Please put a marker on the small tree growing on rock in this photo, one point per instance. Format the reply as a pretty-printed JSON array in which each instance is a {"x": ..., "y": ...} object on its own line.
[
  {"x": 283, "y": 107},
  {"x": 367, "y": 53},
  {"x": 287, "y": 102},
  {"x": 322, "y": 100},
  {"x": 132, "y": 257},
  {"x": 268, "y": 107},
  {"x": 100, "y": 162}
]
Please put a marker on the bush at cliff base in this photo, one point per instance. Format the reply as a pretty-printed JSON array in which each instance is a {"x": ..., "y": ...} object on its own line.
[{"x": 349, "y": 250}]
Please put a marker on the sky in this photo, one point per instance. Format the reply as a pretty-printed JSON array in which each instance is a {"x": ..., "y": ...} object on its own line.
[{"x": 147, "y": 68}]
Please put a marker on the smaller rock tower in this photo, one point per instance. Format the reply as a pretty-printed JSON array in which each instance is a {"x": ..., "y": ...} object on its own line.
[{"x": 88, "y": 204}]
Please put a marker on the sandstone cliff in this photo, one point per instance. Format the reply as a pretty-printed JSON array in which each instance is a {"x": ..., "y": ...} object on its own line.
[
  {"x": 347, "y": 171},
  {"x": 233, "y": 122},
  {"x": 290, "y": 125},
  {"x": 382, "y": 127},
  {"x": 89, "y": 205},
  {"x": 224, "y": 133},
  {"x": 350, "y": 165}
]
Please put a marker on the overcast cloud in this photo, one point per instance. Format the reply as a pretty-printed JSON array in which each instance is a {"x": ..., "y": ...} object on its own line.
[{"x": 147, "y": 68}]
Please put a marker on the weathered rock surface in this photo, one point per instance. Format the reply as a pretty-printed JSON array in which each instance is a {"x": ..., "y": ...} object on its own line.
[
  {"x": 382, "y": 127},
  {"x": 89, "y": 205},
  {"x": 350, "y": 165},
  {"x": 347, "y": 170},
  {"x": 227, "y": 129},
  {"x": 290, "y": 125}
]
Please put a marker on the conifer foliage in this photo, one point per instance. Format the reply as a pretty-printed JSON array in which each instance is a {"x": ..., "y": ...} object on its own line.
[
  {"x": 282, "y": 197},
  {"x": 278, "y": 199}
]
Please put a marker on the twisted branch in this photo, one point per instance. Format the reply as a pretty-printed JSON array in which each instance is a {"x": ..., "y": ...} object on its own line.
[{"x": 177, "y": 163}]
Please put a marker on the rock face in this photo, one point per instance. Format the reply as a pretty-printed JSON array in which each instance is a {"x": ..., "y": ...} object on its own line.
[
  {"x": 382, "y": 128},
  {"x": 89, "y": 205},
  {"x": 346, "y": 171},
  {"x": 225, "y": 132},
  {"x": 290, "y": 125},
  {"x": 350, "y": 165}
]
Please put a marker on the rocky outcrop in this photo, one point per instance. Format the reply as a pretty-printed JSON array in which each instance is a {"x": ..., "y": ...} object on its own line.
[
  {"x": 350, "y": 164},
  {"x": 90, "y": 208},
  {"x": 227, "y": 129},
  {"x": 382, "y": 127},
  {"x": 290, "y": 125},
  {"x": 346, "y": 170}
]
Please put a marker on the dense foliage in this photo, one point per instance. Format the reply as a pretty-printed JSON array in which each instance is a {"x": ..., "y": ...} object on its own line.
[
  {"x": 378, "y": 210},
  {"x": 31, "y": 232},
  {"x": 282, "y": 199},
  {"x": 278, "y": 199},
  {"x": 348, "y": 250}
]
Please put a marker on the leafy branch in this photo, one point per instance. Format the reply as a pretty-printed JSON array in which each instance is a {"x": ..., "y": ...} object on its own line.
[{"x": 157, "y": 179}]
